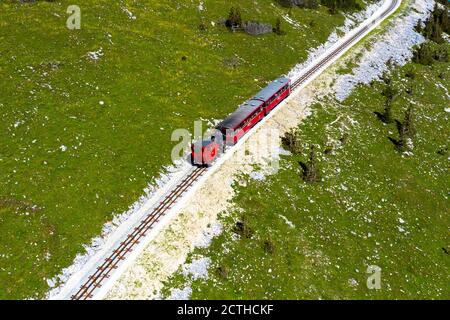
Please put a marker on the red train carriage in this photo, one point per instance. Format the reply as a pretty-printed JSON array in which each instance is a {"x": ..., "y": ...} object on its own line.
[
  {"x": 253, "y": 110},
  {"x": 242, "y": 120}
]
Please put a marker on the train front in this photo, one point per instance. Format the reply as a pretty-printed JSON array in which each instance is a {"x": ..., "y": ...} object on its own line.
[{"x": 203, "y": 153}]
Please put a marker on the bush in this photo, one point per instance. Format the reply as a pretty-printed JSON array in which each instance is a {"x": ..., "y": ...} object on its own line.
[
  {"x": 269, "y": 246},
  {"x": 435, "y": 25},
  {"x": 223, "y": 272},
  {"x": 291, "y": 142},
  {"x": 310, "y": 170},
  {"x": 234, "y": 18},
  {"x": 202, "y": 26},
  {"x": 423, "y": 54},
  {"x": 441, "y": 55},
  {"x": 242, "y": 228},
  {"x": 277, "y": 29},
  {"x": 346, "y": 5},
  {"x": 410, "y": 73}
]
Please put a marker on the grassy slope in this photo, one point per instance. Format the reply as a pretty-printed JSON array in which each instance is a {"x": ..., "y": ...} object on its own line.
[
  {"x": 114, "y": 150},
  {"x": 373, "y": 207}
]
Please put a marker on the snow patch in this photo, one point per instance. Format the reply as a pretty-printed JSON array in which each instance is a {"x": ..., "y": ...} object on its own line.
[
  {"x": 95, "y": 55},
  {"x": 293, "y": 23},
  {"x": 201, "y": 6},
  {"x": 289, "y": 223},
  {"x": 130, "y": 15},
  {"x": 181, "y": 294},
  {"x": 259, "y": 176},
  {"x": 197, "y": 269},
  {"x": 351, "y": 22},
  {"x": 394, "y": 46}
]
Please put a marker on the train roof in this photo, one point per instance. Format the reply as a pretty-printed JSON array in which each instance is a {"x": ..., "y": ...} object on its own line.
[
  {"x": 246, "y": 109},
  {"x": 236, "y": 118},
  {"x": 273, "y": 87}
]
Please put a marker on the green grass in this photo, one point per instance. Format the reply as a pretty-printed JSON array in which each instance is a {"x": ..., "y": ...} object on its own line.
[
  {"x": 374, "y": 206},
  {"x": 50, "y": 93}
]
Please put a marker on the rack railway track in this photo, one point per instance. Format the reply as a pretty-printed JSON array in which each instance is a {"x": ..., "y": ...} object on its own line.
[
  {"x": 342, "y": 47},
  {"x": 103, "y": 271},
  {"x": 109, "y": 264}
]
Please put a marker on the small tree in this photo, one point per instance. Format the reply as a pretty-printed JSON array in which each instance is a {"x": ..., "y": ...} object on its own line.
[
  {"x": 269, "y": 245},
  {"x": 407, "y": 127},
  {"x": 390, "y": 95},
  {"x": 310, "y": 169},
  {"x": 242, "y": 228},
  {"x": 277, "y": 28},
  {"x": 405, "y": 130},
  {"x": 424, "y": 54},
  {"x": 234, "y": 18},
  {"x": 291, "y": 142}
]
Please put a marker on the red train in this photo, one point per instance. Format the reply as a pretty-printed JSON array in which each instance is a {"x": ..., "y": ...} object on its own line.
[{"x": 230, "y": 130}]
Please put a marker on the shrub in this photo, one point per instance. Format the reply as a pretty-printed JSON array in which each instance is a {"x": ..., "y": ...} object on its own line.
[
  {"x": 435, "y": 25},
  {"x": 277, "y": 29},
  {"x": 242, "y": 228},
  {"x": 202, "y": 26},
  {"x": 405, "y": 130},
  {"x": 423, "y": 54},
  {"x": 310, "y": 170},
  {"x": 234, "y": 18},
  {"x": 269, "y": 246},
  {"x": 291, "y": 142},
  {"x": 223, "y": 272}
]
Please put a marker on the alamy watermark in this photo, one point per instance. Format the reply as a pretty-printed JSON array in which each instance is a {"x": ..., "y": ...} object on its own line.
[
  {"x": 74, "y": 20},
  {"x": 374, "y": 280},
  {"x": 261, "y": 150}
]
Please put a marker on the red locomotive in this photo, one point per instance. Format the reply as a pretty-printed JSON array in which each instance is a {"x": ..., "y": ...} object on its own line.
[
  {"x": 204, "y": 152},
  {"x": 241, "y": 121}
]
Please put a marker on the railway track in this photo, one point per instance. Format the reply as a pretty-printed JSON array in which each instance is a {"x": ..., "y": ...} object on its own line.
[
  {"x": 341, "y": 48},
  {"x": 104, "y": 271},
  {"x": 109, "y": 264}
]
